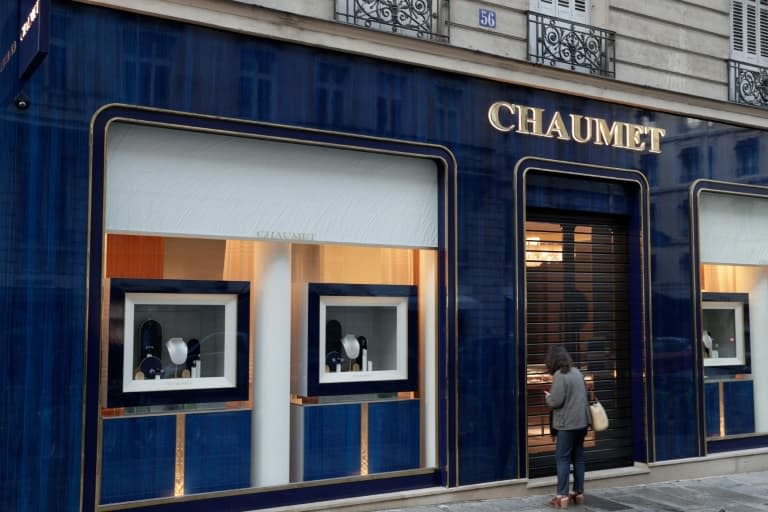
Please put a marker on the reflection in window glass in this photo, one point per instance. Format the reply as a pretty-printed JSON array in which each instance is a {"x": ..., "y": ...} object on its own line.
[
  {"x": 747, "y": 157},
  {"x": 371, "y": 432}
]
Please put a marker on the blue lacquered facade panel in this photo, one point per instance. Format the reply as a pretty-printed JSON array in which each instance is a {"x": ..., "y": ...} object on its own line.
[
  {"x": 393, "y": 436},
  {"x": 739, "y": 407},
  {"x": 99, "y": 56},
  {"x": 42, "y": 229},
  {"x": 331, "y": 441},
  {"x": 712, "y": 406},
  {"x": 217, "y": 451},
  {"x": 138, "y": 459}
]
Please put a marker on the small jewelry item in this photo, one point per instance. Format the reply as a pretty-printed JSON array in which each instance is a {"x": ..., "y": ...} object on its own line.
[
  {"x": 351, "y": 346},
  {"x": 177, "y": 349}
]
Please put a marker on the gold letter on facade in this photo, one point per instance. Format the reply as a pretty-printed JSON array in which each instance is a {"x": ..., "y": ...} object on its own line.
[
  {"x": 557, "y": 125},
  {"x": 529, "y": 116},
  {"x": 576, "y": 128},
  {"x": 612, "y": 137},
  {"x": 494, "y": 115}
]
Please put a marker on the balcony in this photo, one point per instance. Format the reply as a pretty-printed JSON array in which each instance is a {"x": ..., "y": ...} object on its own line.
[
  {"x": 414, "y": 18},
  {"x": 747, "y": 84},
  {"x": 569, "y": 45}
]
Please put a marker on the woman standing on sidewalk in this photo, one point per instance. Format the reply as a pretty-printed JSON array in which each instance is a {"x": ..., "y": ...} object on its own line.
[{"x": 568, "y": 400}]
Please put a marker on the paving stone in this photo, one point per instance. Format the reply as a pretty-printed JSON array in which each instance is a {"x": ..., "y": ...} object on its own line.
[
  {"x": 596, "y": 503},
  {"x": 638, "y": 501}
]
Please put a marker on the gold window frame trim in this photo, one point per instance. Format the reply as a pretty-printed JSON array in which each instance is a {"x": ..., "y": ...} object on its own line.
[
  {"x": 696, "y": 189},
  {"x": 448, "y": 175},
  {"x": 584, "y": 170}
]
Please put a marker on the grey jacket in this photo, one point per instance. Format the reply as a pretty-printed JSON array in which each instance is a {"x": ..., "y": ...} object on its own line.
[{"x": 568, "y": 399}]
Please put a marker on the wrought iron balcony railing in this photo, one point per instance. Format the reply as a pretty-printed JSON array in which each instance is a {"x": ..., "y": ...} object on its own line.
[
  {"x": 569, "y": 45},
  {"x": 415, "y": 18},
  {"x": 747, "y": 84}
]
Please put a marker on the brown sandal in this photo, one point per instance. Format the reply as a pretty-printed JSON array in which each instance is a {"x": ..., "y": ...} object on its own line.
[
  {"x": 559, "y": 502},
  {"x": 576, "y": 497}
]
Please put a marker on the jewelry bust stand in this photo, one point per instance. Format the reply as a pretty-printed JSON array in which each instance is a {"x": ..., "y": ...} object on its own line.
[
  {"x": 177, "y": 350},
  {"x": 150, "y": 367},
  {"x": 351, "y": 349}
]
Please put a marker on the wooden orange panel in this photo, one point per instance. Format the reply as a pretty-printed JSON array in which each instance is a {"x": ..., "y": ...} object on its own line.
[{"x": 134, "y": 256}]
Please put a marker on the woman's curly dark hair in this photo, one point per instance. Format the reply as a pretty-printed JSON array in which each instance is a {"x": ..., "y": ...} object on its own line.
[{"x": 558, "y": 359}]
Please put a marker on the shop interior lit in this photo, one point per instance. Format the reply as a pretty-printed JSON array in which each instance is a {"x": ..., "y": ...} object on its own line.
[
  {"x": 735, "y": 380},
  {"x": 377, "y": 415}
]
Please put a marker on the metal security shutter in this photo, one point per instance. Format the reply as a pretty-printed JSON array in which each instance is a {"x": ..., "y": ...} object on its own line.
[{"x": 577, "y": 295}]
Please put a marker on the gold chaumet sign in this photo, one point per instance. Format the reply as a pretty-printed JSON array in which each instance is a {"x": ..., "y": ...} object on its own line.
[{"x": 507, "y": 117}]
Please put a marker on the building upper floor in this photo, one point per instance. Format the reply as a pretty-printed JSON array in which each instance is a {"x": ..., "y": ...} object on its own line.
[{"x": 709, "y": 54}]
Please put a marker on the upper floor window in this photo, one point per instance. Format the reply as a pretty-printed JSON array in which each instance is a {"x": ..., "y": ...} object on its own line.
[
  {"x": 447, "y": 102},
  {"x": 749, "y": 31},
  {"x": 257, "y": 68},
  {"x": 390, "y": 101},
  {"x": 559, "y": 35},
  {"x": 748, "y": 67},
  {"x": 747, "y": 157},
  {"x": 331, "y": 80},
  {"x": 415, "y": 18},
  {"x": 571, "y": 10},
  {"x": 689, "y": 164},
  {"x": 147, "y": 61}
]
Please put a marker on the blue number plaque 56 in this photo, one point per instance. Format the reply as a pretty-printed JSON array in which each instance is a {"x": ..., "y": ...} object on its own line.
[{"x": 487, "y": 18}]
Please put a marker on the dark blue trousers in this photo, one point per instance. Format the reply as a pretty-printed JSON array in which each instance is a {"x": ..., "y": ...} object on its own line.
[{"x": 569, "y": 449}]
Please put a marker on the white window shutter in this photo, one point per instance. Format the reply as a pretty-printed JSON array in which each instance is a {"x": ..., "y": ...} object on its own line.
[
  {"x": 749, "y": 31},
  {"x": 572, "y": 10},
  {"x": 737, "y": 30},
  {"x": 762, "y": 33},
  {"x": 580, "y": 11},
  {"x": 543, "y": 6}
]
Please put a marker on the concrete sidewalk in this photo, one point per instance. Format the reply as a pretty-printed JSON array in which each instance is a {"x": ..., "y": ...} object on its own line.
[{"x": 742, "y": 492}]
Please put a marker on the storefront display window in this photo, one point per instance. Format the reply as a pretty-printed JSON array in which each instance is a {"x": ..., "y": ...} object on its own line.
[
  {"x": 179, "y": 340},
  {"x": 256, "y": 314},
  {"x": 734, "y": 301},
  {"x": 725, "y": 328},
  {"x": 361, "y": 337}
]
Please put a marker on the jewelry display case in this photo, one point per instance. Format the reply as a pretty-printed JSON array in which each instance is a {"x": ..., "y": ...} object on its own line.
[
  {"x": 725, "y": 330},
  {"x": 361, "y": 339},
  {"x": 177, "y": 341}
]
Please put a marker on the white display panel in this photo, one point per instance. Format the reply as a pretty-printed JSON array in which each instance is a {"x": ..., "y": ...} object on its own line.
[
  {"x": 733, "y": 230},
  {"x": 165, "y": 181},
  {"x": 211, "y": 317},
  {"x": 723, "y": 322},
  {"x": 384, "y": 321}
]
